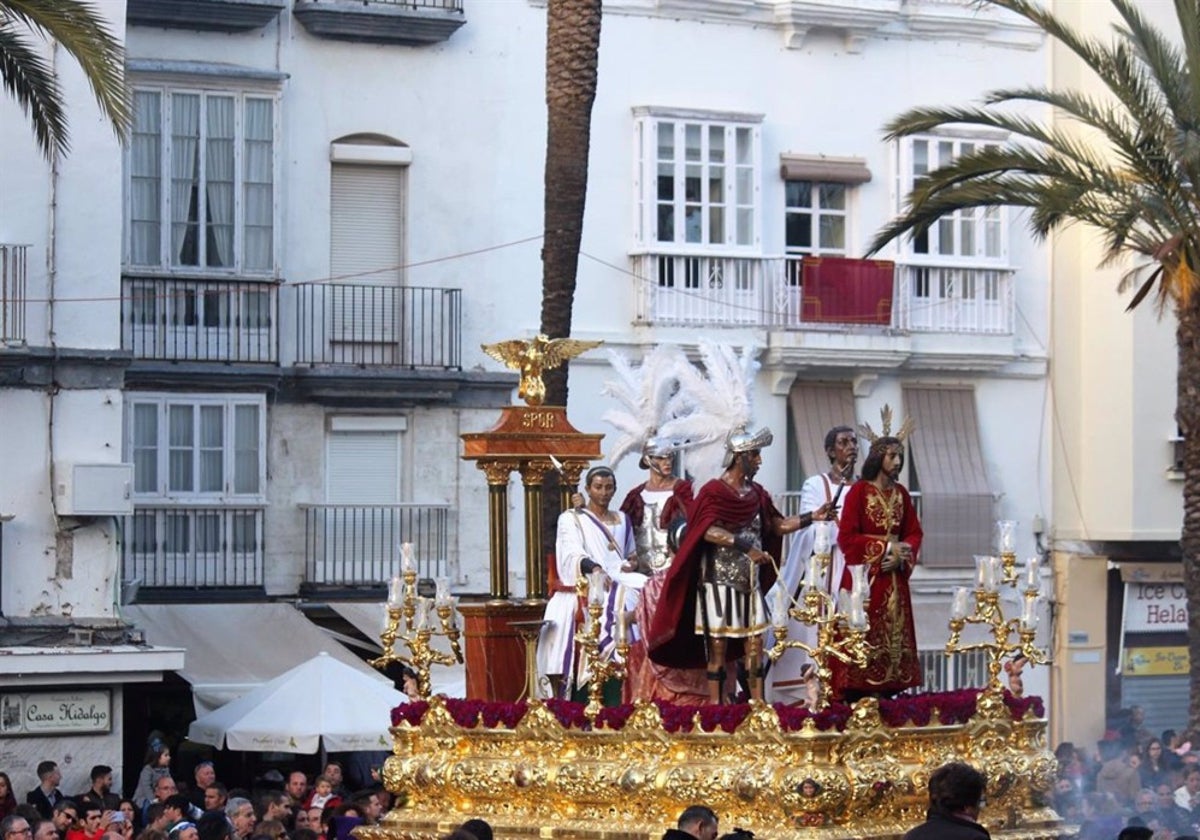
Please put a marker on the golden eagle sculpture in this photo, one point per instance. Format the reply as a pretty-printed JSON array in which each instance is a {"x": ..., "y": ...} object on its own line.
[{"x": 534, "y": 356}]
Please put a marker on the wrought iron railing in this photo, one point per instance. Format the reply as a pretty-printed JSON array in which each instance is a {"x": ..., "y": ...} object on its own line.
[
  {"x": 181, "y": 319},
  {"x": 351, "y": 545},
  {"x": 950, "y": 673},
  {"x": 193, "y": 547},
  {"x": 14, "y": 278},
  {"x": 961, "y": 299},
  {"x": 447, "y": 5},
  {"x": 368, "y": 325}
]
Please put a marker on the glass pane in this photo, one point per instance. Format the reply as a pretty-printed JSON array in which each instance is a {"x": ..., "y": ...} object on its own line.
[
  {"x": 247, "y": 461},
  {"x": 145, "y": 179},
  {"x": 666, "y": 223},
  {"x": 921, "y": 242},
  {"x": 694, "y": 222},
  {"x": 185, "y": 179},
  {"x": 145, "y": 448},
  {"x": 691, "y": 142},
  {"x": 832, "y": 196},
  {"x": 666, "y": 141},
  {"x": 208, "y": 533},
  {"x": 244, "y": 533},
  {"x": 798, "y": 193},
  {"x": 716, "y": 186},
  {"x": 258, "y": 175},
  {"x": 716, "y": 144},
  {"x": 691, "y": 184},
  {"x": 991, "y": 217},
  {"x": 178, "y": 533},
  {"x": 745, "y": 226},
  {"x": 745, "y": 186},
  {"x": 257, "y": 314},
  {"x": 833, "y": 233},
  {"x": 745, "y": 149},
  {"x": 666, "y": 182},
  {"x": 218, "y": 180},
  {"x": 945, "y": 153},
  {"x": 716, "y": 225},
  {"x": 216, "y": 309},
  {"x": 967, "y": 234},
  {"x": 945, "y": 229},
  {"x": 799, "y": 231},
  {"x": 212, "y": 433},
  {"x": 181, "y": 437},
  {"x": 920, "y": 153}
]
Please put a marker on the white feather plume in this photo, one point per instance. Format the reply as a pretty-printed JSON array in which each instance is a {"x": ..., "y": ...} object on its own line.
[
  {"x": 711, "y": 403},
  {"x": 645, "y": 394}
]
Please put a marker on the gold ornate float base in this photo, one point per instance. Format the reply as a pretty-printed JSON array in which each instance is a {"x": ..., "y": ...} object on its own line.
[{"x": 544, "y": 780}]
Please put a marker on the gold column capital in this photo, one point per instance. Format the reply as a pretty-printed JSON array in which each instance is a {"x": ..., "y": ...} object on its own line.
[
  {"x": 532, "y": 472},
  {"x": 497, "y": 472}
]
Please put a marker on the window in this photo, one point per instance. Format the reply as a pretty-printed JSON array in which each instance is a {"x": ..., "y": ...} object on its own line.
[
  {"x": 815, "y": 218},
  {"x": 201, "y": 181},
  {"x": 197, "y": 448},
  {"x": 975, "y": 235},
  {"x": 698, "y": 180}
]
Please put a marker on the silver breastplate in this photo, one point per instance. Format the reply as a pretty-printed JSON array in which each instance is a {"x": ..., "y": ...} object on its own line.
[
  {"x": 727, "y": 566},
  {"x": 652, "y": 542}
]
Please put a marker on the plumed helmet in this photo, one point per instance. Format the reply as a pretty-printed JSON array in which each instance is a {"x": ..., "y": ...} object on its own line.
[
  {"x": 740, "y": 440},
  {"x": 656, "y": 447}
]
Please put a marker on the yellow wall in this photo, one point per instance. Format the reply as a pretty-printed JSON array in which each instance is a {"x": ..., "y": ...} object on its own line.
[{"x": 1078, "y": 676}]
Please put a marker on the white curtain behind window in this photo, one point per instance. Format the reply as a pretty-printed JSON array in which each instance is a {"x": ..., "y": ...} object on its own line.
[
  {"x": 180, "y": 445},
  {"x": 258, "y": 176},
  {"x": 145, "y": 179},
  {"x": 218, "y": 179},
  {"x": 212, "y": 449},
  {"x": 185, "y": 178},
  {"x": 246, "y": 444}
]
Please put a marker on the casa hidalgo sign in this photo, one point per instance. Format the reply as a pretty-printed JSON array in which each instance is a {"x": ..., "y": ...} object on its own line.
[{"x": 56, "y": 713}]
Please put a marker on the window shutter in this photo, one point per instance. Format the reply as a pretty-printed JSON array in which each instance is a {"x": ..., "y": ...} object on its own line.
[
  {"x": 363, "y": 468},
  {"x": 367, "y": 249}
]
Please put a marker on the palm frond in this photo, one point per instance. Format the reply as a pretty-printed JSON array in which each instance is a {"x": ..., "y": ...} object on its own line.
[
  {"x": 29, "y": 79},
  {"x": 81, "y": 30}
]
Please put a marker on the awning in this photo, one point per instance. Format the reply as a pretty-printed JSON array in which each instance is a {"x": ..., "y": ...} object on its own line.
[
  {"x": 956, "y": 500},
  {"x": 841, "y": 170},
  {"x": 367, "y": 617},
  {"x": 816, "y": 408},
  {"x": 233, "y": 648}
]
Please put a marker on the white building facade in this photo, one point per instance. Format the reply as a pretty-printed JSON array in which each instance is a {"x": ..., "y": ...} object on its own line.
[{"x": 325, "y": 208}]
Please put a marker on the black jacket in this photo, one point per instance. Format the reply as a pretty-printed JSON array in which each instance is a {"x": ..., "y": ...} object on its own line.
[
  {"x": 939, "y": 826},
  {"x": 38, "y": 799},
  {"x": 676, "y": 834}
]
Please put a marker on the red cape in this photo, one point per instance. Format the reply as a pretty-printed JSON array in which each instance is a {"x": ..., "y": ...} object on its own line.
[
  {"x": 672, "y": 639},
  {"x": 677, "y": 505}
]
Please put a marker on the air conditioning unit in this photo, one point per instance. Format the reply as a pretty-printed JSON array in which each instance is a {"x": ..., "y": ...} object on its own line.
[{"x": 94, "y": 489}]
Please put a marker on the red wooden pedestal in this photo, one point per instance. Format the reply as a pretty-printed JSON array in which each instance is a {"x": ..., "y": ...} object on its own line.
[{"x": 495, "y": 653}]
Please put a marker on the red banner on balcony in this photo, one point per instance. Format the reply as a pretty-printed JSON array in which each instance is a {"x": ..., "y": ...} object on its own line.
[{"x": 837, "y": 290}]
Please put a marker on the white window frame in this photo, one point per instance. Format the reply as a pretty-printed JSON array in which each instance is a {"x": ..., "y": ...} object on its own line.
[
  {"x": 816, "y": 212},
  {"x": 647, "y": 121},
  {"x": 204, "y": 89},
  {"x": 955, "y": 224},
  {"x": 228, "y": 404}
]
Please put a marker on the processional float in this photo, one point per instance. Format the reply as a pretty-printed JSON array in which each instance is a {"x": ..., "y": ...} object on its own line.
[{"x": 554, "y": 769}]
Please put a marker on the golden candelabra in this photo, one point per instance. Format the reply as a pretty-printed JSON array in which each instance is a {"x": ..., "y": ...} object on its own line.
[
  {"x": 990, "y": 574},
  {"x": 600, "y": 668},
  {"x": 841, "y": 636},
  {"x": 1006, "y": 536},
  {"x": 411, "y": 620}
]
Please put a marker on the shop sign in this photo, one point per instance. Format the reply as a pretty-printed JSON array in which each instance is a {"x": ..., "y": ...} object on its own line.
[
  {"x": 1155, "y": 661},
  {"x": 56, "y": 712},
  {"x": 1155, "y": 608}
]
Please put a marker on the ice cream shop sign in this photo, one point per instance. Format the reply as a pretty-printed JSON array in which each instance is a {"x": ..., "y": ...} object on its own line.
[
  {"x": 56, "y": 713},
  {"x": 1155, "y": 607}
]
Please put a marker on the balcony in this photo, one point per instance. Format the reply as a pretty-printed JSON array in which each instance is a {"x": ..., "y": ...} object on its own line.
[
  {"x": 945, "y": 299},
  {"x": 172, "y": 319},
  {"x": 194, "y": 547},
  {"x": 410, "y": 22},
  {"x": 359, "y": 545},
  {"x": 14, "y": 264},
  {"x": 213, "y": 15},
  {"x": 369, "y": 326},
  {"x": 820, "y": 294}
]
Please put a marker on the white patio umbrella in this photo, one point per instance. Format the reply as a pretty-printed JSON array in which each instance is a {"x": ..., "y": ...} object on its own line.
[{"x": 321, "y": 704}]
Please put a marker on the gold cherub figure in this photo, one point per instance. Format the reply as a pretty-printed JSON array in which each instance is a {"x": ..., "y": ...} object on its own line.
[{"x": 534, "y": 356}]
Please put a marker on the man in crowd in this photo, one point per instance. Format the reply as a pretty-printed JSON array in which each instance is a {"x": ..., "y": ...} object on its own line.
[
  {"x": 65, "y": 815},
  {"x": 164, "y": 788},
  {"x": 368, "y": 805},
  {"x": 297, "y": 787},
  {"x": 46, "y": 830},
  {"x": 879, "y": 529},
  {"x": 215, "y": 797},
  {"x": 955, "y": 800},
  {"x": 697, "y": 822},
  {"x": 275, "y": 805},
  {"x": 241, "y": 816},
  {"x": 100, "y": 792},
  {"x": 46, "y": 794},
  {"x": 92, "y": 825},
  {"x": 203, "y": 776},
  {"x": 713, "y": 595},
  {"x": 15, "y": 827},
  {"x": 333, "y": 772}
]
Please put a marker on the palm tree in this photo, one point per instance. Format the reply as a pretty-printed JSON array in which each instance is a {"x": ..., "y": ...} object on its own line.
[
  {"x": 29, "y": 77},
  {"x": 572, "y": 54},
  {"x": 1137, "y": 184}
]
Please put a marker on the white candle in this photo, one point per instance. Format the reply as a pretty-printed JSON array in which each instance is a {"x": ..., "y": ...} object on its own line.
[
  {"x": 858, "y": 615},
  {"x": 981, "y": 570},
  {"x": 396, "y": 592},
  {"x": 1029, "y": 616},
  {"x": 1033, "y": 573},
  {"x": 821, "y": 541},
  {"x": 596, "y": 587},
  {"x": 958, "y": 608},
  {"x": 622, "y": 617},
  {"x": 422, "y": 621},
  {"x": 779, "y": 612},
  {"x": 810, "y": 573},
  {"x": 858, "y": 579},
  {"x": 406, "y": 561}
]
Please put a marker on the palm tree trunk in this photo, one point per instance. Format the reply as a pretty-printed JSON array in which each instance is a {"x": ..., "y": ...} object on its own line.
[
  {"x": 572, "y": 54},
  {"x": 1187, "y": 415}
]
